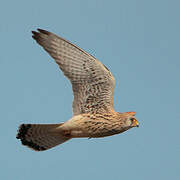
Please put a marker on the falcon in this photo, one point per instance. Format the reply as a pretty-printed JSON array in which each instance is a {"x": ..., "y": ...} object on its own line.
[{"x": 93, "y": 88}]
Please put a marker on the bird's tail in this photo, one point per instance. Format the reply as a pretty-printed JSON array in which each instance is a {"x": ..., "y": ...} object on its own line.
[{"x": 41, "y": 137}]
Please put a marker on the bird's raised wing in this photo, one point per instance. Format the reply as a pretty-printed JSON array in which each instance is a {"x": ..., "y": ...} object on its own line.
[{"x": 92, "y": 83}]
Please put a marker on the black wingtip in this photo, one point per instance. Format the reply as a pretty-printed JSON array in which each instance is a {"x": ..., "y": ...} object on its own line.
[
  {"x": 34, "y": 32},
  {"x": 43, "y": 31},
  {"x": 35, "y": 35},
  {"x": 39, "y": 35}
]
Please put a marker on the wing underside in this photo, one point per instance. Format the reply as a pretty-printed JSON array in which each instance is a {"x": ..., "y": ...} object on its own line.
[{"x": 92, "y": 83}]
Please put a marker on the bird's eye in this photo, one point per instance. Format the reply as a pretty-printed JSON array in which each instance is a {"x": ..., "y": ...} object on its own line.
[{"x": 132, "y": 119}]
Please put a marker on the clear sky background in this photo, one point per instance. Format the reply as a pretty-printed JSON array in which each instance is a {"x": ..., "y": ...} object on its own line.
[{"x": 139, "y": 41}]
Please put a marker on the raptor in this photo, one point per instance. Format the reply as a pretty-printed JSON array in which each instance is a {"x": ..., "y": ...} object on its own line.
[{"x": 93, "y": 88}]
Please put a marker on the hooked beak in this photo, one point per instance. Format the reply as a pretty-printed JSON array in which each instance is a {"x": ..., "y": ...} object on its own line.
[{"x": 135, "y": 123}]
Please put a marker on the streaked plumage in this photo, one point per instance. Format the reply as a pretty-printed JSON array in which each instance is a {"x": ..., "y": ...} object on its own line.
[{"x": 93, "y": 87}]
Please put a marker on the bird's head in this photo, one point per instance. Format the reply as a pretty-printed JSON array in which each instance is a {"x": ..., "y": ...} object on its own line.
[{"x": 129, "y": 120}]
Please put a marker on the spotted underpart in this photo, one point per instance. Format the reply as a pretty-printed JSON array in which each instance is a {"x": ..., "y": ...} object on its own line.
[{"x": 22, "y": 132}]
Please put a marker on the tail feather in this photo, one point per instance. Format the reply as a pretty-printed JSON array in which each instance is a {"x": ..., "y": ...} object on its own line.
[{"x": 40, "y": 137}]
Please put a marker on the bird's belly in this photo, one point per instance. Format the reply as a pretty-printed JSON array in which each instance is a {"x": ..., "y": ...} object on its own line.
[
  {"x": 104, "y": 133},
  {"x": 78, "y": 134},
  {"x": 86, "y": 127},
  {"x": 103, "y": 128},
  {"x": 95, "y": 132}
]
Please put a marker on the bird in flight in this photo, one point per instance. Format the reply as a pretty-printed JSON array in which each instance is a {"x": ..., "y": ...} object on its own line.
[{"x": 93, "y": 88}]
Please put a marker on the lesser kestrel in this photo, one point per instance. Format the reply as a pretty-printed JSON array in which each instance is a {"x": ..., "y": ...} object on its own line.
[{"x": 93, "y": 86}]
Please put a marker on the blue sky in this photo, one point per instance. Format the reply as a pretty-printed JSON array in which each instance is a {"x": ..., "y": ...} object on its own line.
[{"x": 138, "y": 41}]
